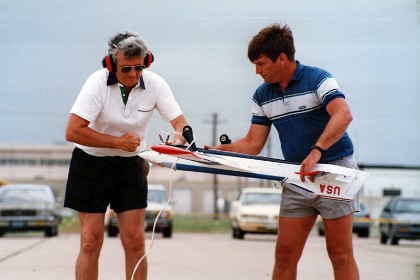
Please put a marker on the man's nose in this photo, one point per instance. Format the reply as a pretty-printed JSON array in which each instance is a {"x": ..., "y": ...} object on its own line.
[{"x": 132, "y": 72}]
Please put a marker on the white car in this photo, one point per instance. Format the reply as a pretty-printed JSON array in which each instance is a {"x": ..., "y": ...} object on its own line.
[{"x": 255, "y": 211}]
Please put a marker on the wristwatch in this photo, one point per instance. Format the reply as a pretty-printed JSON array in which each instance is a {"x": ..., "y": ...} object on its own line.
[{"x": 321, "y": 150}]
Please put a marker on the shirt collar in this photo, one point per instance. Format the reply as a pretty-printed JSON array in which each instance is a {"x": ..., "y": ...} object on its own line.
[
  {"x": 112, "y": 80},
  {"x": 298, "y": 72}
]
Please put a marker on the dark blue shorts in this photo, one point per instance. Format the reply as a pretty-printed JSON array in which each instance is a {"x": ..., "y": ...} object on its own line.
[{"x": 96, "y": 182}]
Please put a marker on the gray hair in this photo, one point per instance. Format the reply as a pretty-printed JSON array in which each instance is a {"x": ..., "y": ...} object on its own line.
[{"x": 131, "y": 44}]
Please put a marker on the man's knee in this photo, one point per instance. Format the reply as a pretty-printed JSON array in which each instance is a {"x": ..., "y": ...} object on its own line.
[
  {"x": 286, "y": 254},
  {"x": 91, "y": 244},
  {"x": 340, "y": 255},
  {"x": 133, "y": 242}
]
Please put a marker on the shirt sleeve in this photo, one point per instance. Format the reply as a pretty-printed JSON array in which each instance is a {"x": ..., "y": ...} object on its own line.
[
  {"x": 90, "y": 100},
  {"x": 166, "y": 104},
  {"x": 258, "y": 115},
  {"x": 328, "y": 90}
]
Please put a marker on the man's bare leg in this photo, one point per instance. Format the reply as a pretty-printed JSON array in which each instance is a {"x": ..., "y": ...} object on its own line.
[{"x": 91, "y": 240}]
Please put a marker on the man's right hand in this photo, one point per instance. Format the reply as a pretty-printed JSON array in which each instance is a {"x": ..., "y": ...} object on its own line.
[{"x": 129, "y": 142}]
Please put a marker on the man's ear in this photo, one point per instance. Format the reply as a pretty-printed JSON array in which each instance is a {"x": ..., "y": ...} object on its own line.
[{"x": 281, "y": 58}]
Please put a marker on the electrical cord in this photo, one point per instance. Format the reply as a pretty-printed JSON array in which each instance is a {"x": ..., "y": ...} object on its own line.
[{"x": 164, "y": 207}]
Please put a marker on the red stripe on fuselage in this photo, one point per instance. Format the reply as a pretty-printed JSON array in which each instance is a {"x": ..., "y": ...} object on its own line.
[{"x": 170, "y": 150}]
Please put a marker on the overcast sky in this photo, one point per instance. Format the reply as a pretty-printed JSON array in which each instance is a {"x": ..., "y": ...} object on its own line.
[{"x": 49, "y": 48}]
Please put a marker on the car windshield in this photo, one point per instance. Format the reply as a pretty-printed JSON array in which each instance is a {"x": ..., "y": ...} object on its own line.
[
  {"x": 24, "y": 195},
  {"x": 261, "y": 198},
  {"x": 408, "y": 206},
  {"x": 157, "y": 196}
]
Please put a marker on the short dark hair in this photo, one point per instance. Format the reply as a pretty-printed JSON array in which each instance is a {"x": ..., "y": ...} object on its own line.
[{"x": 271, "y": 41}]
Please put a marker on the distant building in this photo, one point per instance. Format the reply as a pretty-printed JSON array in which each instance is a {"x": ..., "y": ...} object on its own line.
[{"x": 34, "y": 162}]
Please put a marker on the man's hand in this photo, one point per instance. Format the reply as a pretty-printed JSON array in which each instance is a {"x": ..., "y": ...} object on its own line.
[
  {"x": 207, "y": 147},
  {"x": 174, "y": 143},
  {"x": 129, "y": 142},
  {"x": 309, "y": 162}
]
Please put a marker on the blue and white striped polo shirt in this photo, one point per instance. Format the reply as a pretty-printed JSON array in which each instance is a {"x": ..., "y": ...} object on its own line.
[{"x": 299, "y": 113}]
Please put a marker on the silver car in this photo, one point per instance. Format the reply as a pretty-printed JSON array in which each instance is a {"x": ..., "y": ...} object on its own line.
[{"x": 28, "y": 207}]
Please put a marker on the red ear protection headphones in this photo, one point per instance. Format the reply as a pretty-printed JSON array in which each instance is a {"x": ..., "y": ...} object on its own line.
[{"x": 109, "y": 63}]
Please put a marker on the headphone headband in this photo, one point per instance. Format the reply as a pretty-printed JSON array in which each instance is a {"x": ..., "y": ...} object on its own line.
[{"x": 122, "y": 38}]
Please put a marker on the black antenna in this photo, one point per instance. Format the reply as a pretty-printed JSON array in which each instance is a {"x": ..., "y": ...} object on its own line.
[
  {"x": 188, "y": 135},
  {"x": 224, "y": 139}
]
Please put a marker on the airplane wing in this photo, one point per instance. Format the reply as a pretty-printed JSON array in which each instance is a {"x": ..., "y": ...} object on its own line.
[
  {"x": 198, "y": 156},
  {"x": 329, "y": 181}
]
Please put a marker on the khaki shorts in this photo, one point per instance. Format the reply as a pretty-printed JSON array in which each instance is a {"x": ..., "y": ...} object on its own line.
[{"x": 298, "y": 203}]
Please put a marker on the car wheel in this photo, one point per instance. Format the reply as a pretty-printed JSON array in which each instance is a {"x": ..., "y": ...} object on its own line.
[
  {"x": 383, "y": 238},
  {"x": 237, "y": 233},
  {"x": 234, "y": 233},
  {"x": 112, "y": 231},
  {"x": 167, "y": 233},
  {"x": 392, "y": 237},
  {"x": 51, "y": 231},
  {"x": 394, "y": 240},
  {"x": 363, "y": 233}
]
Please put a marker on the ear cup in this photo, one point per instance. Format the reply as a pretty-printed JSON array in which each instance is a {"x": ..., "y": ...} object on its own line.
[
  {"x": 109, "y": 64},
  {"x": 148, "y": 59}
]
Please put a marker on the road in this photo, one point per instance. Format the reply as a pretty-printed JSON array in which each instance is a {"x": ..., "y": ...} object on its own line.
[{"x": 200, "y": 256}]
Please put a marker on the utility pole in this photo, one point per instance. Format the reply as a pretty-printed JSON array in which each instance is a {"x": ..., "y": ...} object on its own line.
[
  {"x": 215, "y": 121},
  {"x": 267, "y": 150}
]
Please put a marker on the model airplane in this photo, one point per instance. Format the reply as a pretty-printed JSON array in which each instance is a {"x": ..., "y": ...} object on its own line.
[{"x": 330, "y": 181}]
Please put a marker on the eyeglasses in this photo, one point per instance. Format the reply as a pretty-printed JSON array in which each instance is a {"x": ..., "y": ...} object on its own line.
[{"x": 137, "y": 68}]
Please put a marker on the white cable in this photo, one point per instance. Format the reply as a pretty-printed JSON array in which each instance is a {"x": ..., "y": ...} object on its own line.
[
  {"x": 154, "y": 224},
  {"x": 171, "y": 133},
  {"x": 163, "y": 208}
]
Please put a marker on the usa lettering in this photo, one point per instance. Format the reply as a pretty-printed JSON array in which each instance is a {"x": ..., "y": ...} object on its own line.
[{"x": 330, "y": 189}]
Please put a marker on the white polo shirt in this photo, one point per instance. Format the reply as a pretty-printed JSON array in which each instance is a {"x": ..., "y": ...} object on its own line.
[{"x": 100, "y": 103}]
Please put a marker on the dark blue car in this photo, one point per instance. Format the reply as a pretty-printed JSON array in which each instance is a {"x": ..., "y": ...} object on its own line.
[{"x": 400, "y": 219}]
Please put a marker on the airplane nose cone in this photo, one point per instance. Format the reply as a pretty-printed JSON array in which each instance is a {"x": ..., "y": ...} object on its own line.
[{"x": 148, "y": 156}]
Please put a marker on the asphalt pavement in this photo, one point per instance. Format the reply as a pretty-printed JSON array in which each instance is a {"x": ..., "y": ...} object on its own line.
[{"x": 200, "y": 256}]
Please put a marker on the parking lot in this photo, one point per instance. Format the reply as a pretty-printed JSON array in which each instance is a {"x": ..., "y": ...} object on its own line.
[{"x": 200, "y": 256}]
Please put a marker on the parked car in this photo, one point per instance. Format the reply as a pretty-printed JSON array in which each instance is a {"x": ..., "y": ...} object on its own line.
[
  {"x": 400, "y": 219},
  {"x": 156, "y": 200},
  {"x": 361, "y": 223},
  {"x": 28, "y": 207},
  {"x": 255, "y": 211}
]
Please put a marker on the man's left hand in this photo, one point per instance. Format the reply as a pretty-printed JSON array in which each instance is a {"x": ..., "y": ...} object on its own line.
[{"x": 309, "y": 162}]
